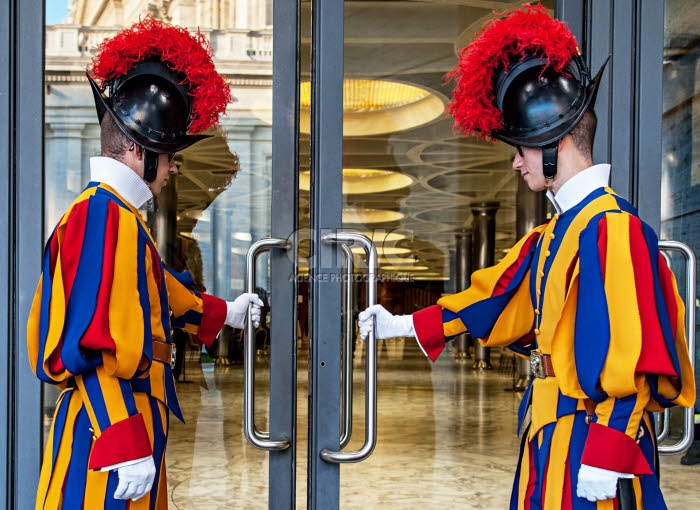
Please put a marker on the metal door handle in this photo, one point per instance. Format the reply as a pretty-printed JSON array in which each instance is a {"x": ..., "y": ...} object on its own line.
[
  {"x": 663, "y": 425},
  {"x": 255, "y": 437},
  {"x": 371, "y": 347},
  {"x": 689, "y": 414},
  {"x": 346, "y": 362}
]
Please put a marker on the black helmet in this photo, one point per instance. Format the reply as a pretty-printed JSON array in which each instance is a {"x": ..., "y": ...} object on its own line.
[
  {"x": 162, "y": 86},
  {"x": 540, "y": 105},
  {"x": 151, "y": 107},
  {"x": 540, "y": 85}
]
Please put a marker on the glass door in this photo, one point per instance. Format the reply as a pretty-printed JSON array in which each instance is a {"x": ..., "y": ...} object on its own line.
[{"x": 338, "y": 136}]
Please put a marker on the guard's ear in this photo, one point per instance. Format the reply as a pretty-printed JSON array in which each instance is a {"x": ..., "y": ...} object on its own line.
[{"x": 139, "y": 152}]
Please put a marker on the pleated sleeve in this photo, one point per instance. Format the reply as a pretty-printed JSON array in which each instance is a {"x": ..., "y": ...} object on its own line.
[
  {"x": 496, "y": 308},
  {"x": 629, "y": 339}
]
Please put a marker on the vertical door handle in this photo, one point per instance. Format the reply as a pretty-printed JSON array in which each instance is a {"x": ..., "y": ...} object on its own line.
[
  {"x": 689, "y": 414},
  {"x": 346, "y": 362},
  {"x": 255, "y": 437},
  {"x": 371, "y": 348}
]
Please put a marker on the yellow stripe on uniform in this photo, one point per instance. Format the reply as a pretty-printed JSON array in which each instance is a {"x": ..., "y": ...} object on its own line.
[
  {"x": 453, "y": 327},
  {"x": 157, "y": 326},
  {"x": 143, "y": 404},
  {"x": 33, "y": 327},
  {"x": 180, "y": 298},
  {"x": 54, "y": 494},
  {"x": 558, "y": 457},
  {"x": 524, "y": 475},
  {"x": 617, "y": 377},
  {"x": 57, "y": 314},
  {"x": 96, "y": 489},
  {"x": 111, "y": 392},
  {"x": 125, "y": 313},
  {"x": 158, "y": 374},
  {"x": 45, "y": 475},
  {"x": 516, "y": 320}
]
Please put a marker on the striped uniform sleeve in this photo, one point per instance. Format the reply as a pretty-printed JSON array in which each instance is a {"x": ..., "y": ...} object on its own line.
[
  {"x": 629, "y": 339},
  {"x": 196, "y": 312},
  {"x": 496, "y": 308}
]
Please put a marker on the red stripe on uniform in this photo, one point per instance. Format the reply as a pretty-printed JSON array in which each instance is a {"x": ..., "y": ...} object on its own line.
[
  {"x": 603, "y": 244},
  {"x": 666, "y": 278},
  {"x": 509, "y": 273},
  {"x": 213, "y": 317},
  {"x": 654, "y": 356},
  {"x": 531, "y": 480},
  {"x": 567, "y": 495},
  {"x": 427, "y": 323},
  {"x": 98, "y": 335},
  {"x": 72, "y": 245}
]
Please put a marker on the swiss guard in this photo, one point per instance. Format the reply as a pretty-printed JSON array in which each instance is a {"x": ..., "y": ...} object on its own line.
[
  {"x": 101, "y": 319},
  {"x": 587, "y": 296}
]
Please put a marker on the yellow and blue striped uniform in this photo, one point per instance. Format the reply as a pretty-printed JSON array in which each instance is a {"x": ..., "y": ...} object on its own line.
[
  {"x": 103, "y": 299},
  {"x": 591, "y": 289}
]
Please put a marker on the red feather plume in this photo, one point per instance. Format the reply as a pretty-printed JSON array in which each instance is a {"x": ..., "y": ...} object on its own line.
[
  {"x": 522, "y": 32},
  {"x": 183, "y": 52}
]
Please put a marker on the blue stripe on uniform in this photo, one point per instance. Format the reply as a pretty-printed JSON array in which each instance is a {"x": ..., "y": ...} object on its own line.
[
  {"x": 592, "y": 329},
  {"x": 96, "y": 398},
  {"x": 59, "y": 424},
  {"x": 76, "y": 478},
  {"x": 83, "y": 297}
]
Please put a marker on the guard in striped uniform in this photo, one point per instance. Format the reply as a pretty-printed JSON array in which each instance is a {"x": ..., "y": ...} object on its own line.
[
  {"x": 587, "y": 296},
  {"x": 100, "y": 322}
]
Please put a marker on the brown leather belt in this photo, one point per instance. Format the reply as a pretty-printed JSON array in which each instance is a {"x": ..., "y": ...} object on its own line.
[
  {"x": 542, "y": 368},
  {"x": 165, "y": 353},
  {"x": 541, "y": 364}
]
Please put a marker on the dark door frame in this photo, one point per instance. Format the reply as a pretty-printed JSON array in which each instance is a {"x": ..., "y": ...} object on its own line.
[
  {"x": 629, "y": 103},
  {"x": 630, "y": 96},
  {"x": 21, "y": 200}
]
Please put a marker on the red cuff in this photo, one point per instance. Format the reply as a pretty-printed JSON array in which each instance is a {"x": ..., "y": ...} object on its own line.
[
  {"x": 213, "y": 317},
  {"x": 427, "y": 324},
  {"x": 607, "y": 448},
  {"x": 125, "y": 440}
]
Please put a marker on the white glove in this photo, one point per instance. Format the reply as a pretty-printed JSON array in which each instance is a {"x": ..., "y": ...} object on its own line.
[
  {"x": 597, "y": 483},
  {"x": 136, "y": 479},
  {"x": 237, "y": 310},
  {"x": 388, "y": 325}
]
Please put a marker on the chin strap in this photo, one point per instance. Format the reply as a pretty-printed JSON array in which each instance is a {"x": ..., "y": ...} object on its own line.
[
  {"x": 150, "y": 165},
  {"x": 549, "y": 162}
]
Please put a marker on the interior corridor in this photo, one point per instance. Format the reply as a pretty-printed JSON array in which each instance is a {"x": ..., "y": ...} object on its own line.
[{"x": 446, "y": 438}]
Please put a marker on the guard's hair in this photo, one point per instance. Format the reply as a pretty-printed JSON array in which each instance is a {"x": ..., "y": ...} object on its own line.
[
  {"x": 583, "y": 133},
  {"x": 114, "y": 143}
]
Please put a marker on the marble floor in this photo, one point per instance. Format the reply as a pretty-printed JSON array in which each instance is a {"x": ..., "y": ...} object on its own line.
[{"x": 446, "y": 439}]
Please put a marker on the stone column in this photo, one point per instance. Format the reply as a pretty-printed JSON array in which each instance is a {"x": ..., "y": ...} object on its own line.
[
  {"x": 484, "y": 227},
  {"x": 63, "y": 168},
  {"x": 530, "y": 211},
  {"x": 165, "y": 222},
  {"x": 463, "y": 266}
]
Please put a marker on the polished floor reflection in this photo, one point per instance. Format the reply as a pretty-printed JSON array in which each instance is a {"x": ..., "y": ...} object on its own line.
[{"x": 446, "y": 439}]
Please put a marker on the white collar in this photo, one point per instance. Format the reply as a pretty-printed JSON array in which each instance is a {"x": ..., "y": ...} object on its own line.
[
  {"x": 579, "y": 187},
  {"x": 121, "y": 178}
]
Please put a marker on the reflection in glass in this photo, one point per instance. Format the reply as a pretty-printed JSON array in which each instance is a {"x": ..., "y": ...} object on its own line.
[
  {"x": 680, "y": 164},
  {"x": 204, "y": 222}
]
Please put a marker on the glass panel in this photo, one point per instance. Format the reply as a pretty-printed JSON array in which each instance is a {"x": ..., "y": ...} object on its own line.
[
  {"x": 221, "y": 205},
  {"x": 412, "y": 184},
  {"x": 680, "y": 185}
]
